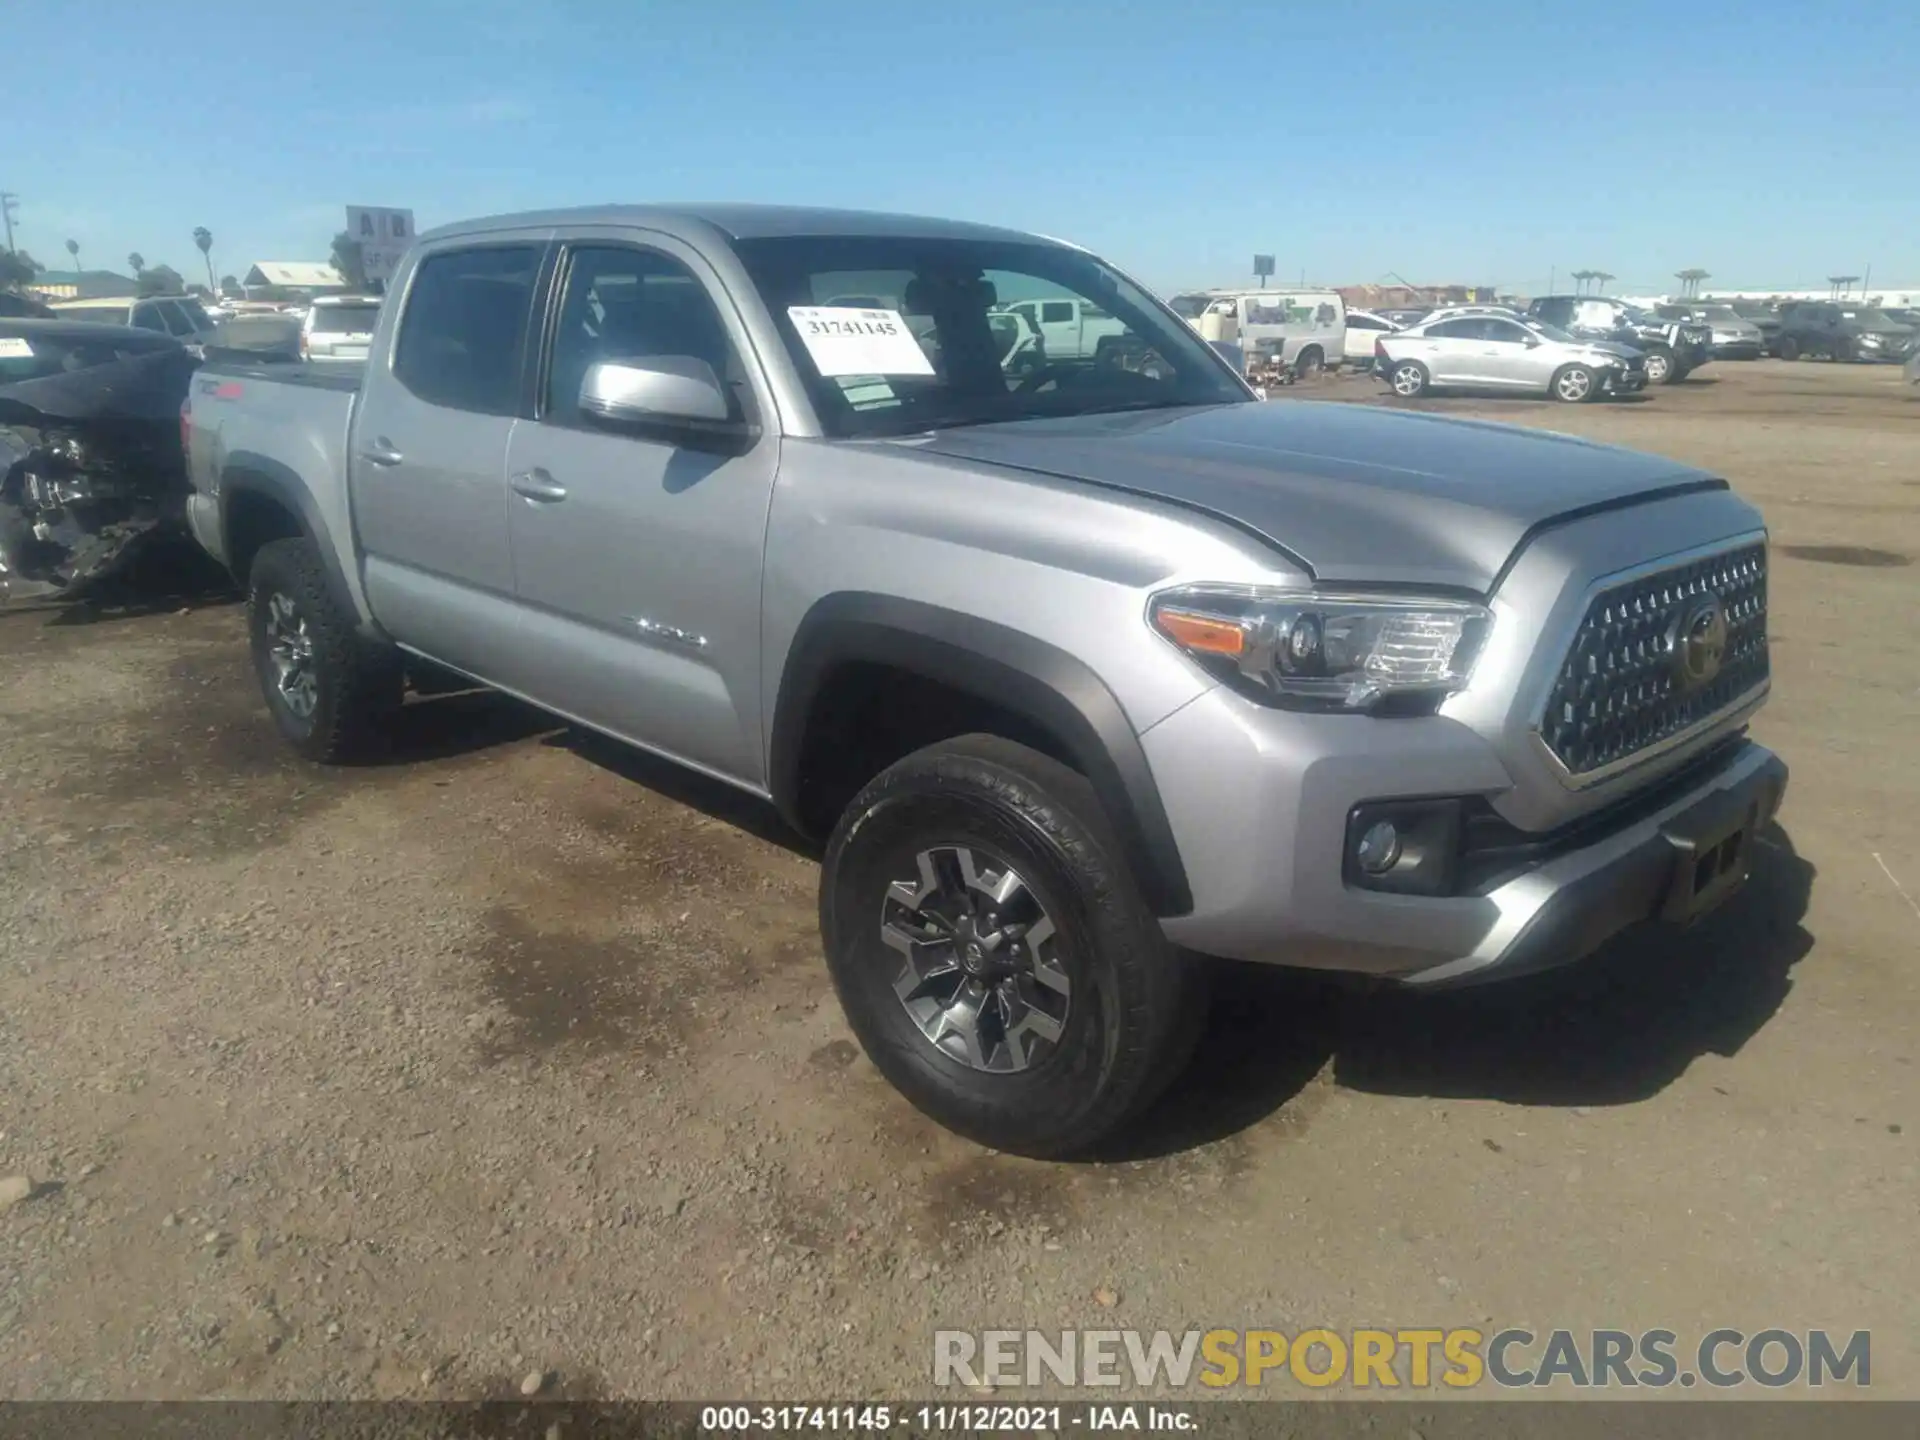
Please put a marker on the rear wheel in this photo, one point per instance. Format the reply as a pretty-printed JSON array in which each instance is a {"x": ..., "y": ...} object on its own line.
[
  {"x": 1661, "y": 367},
  {"x": 1573, "y": 384},
  {"x": 1311, "y": 361},
  {"x": 1843, "y": 349},
  {"x": 1409, "y": 379},
  {"x": 1789, "y": 348},
  {"x": 330, "y": 693},
  {"x": 993, "y": 955}
]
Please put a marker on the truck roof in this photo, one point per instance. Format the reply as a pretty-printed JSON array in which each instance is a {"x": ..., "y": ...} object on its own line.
[{"x": 741, "y": 222}]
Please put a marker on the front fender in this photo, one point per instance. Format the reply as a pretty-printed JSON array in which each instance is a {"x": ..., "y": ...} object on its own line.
[{"x": 1041, "y": 683}]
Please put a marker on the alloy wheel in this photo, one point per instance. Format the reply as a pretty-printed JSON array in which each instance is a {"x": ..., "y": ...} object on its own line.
[
  {"x": 979, "y": 973},
  {"x": 1574, "y": 386},
  {"x": 290, "y": 649},
  {"x": 1407, "y": 381}
]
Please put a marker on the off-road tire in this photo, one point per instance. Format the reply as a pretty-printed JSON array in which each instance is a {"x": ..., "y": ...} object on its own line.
[
  {"x": 358, "y": 685},
  {"x": 1137, "y": 1001}
]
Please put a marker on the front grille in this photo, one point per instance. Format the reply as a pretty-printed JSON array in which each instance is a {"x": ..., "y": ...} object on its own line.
[{"x": 1616, "y": 695}]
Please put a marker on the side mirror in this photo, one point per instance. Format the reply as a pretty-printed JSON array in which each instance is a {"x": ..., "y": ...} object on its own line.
[
  {"x": 675, "y": 394},
  {"x": 1232, "y": 354}
]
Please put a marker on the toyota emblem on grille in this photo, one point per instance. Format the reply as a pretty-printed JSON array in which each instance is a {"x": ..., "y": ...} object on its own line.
[{"x": 1698, "y": 642}]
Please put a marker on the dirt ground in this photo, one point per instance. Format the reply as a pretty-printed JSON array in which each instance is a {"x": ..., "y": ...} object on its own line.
[{"x": 518, "y": 1053}]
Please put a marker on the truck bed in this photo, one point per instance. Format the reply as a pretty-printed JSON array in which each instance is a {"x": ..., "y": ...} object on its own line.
[{"x": 247, "y": 365}]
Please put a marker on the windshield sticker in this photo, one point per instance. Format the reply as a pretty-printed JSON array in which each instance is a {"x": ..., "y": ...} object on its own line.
[
  {"x": 867, "y": 392},
  {"x": 846, "y": 341},
  {"x": 15, "y": 349}
]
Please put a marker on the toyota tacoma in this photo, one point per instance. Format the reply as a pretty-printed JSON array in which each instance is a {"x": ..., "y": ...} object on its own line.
[{"x": 1081, "y": 674}]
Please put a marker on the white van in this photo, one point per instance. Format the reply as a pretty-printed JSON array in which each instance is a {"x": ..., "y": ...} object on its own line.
[{"x": 1309, "y": 326}]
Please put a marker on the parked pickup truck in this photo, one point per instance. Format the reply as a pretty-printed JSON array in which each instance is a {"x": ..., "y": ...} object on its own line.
[{"x": 1081, "y": 674}]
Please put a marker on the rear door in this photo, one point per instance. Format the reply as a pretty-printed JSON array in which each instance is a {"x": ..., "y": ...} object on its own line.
[
  {"x": 1059, "y": 323},
  {"x": 1452, "y": 357},
  {"x": 638, "y": 558},
  {"x": 1363, "y": 331},
  {"x": 428, "y": 463}
]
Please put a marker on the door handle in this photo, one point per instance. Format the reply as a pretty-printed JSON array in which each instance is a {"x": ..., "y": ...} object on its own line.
[
  {"x": 539, "y": 486},
  {"x": 381, "y": 452}
]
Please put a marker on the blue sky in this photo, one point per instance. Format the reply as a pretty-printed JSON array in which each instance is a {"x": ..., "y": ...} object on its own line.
[{"x": 1772, "y": 142}]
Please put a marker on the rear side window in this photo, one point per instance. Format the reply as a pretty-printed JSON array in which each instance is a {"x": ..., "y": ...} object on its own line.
[
  {"x": 177, "y": 321},
  {"x": 344, "y": 319},
  {"x": 148, "y": 317},
  {"x": 1056, "y": 312},
  {"x": 463, "y": 335},
  {"x": 1468, "y": 329}
]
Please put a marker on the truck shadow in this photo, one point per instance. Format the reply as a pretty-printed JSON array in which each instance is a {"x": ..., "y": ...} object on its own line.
[{"x": 1615, "y": 1028}]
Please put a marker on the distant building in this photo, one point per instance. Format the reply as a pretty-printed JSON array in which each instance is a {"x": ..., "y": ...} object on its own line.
[
  {"x": 311, "y": 276},
  {"x": 81, "y": 285},
  {"x": 1408, "y": 297}
]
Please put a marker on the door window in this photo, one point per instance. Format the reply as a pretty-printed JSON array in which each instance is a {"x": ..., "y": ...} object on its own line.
[
  {"x": 1057, "y": 312},
  {"x": 623, "y": 303},
  {"x": 463, "y": 335},
  {"x": 1506, "y": 332},
  {"x": 1467, "y": 329},
  {"x": 174, "y": 318},
  {"x": 148, "y": 317}
]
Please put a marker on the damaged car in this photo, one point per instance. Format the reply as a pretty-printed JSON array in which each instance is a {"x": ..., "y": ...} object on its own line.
[{"x": 91, "y": 465}]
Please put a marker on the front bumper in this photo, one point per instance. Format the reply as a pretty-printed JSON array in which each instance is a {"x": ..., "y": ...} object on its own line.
[
  {"x": 1738, "y": 349},
  {"x": 1261, "y": 813}
]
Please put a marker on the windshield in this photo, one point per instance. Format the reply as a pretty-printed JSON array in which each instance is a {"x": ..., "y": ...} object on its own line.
[
  {"x": 1190, "y": 307},
  {"x": 344, "y": 319},
  {"x": 1638, "y": 316},
  {"x": 935, "y": 353},
  {"x": 1721, "y": 313},
  {"x": 1873, "y": 318}
]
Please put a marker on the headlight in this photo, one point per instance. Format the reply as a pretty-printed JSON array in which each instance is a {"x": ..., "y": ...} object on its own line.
[
  {"x": 1872, "y": 339},
  {"x": 1311, "y": 651}
]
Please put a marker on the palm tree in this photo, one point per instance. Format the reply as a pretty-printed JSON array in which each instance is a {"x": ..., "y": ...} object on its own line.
[
  {"x": 136, "y": 262},
  {"x": 73, "y": 249},
  {"x": 1601, "y": 277},
  {"x": 1580, "y": 278},
  {"x": 203, "y": 237},
  {"x": 1690, "y": 281}
]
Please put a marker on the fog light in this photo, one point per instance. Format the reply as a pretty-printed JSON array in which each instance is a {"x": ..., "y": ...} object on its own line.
[{"x": 1379, "y": 848}]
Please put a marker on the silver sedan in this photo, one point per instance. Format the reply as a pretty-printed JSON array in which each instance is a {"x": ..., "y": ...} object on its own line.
[{"x": 1505, "y": 354}]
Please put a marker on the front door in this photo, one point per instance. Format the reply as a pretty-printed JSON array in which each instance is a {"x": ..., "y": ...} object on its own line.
[
  {"x": 1506, "y": 356},
  {"x": 428, "y": 465},
  {"x": 637, "y": 560}
]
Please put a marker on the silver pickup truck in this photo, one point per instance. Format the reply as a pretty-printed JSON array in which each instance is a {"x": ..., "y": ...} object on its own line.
[{"x": 1082, "y": 672}]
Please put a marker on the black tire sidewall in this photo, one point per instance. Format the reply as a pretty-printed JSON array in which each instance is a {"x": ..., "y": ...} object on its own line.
[{"x": 1097, "y": 1074}]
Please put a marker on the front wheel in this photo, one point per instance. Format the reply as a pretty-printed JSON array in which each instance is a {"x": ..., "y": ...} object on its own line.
[
  {"x": 329, "y": 692},
  {"x": 1409, "y": 379},
  {"x": 1788, "y": 348},
  {"x": 993, "y": 955},
  {"x": 1573, "y": 384}
]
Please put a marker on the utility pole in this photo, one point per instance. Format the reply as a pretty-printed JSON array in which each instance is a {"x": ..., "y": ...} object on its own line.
[{"x": 9, "y": 211}]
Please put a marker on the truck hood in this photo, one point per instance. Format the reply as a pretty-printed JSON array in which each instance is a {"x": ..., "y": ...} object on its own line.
[{"x": 1354, "y": 494}]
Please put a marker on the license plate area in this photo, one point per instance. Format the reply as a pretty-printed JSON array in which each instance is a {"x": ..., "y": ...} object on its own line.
[{"x": 1712, "y": 847}]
